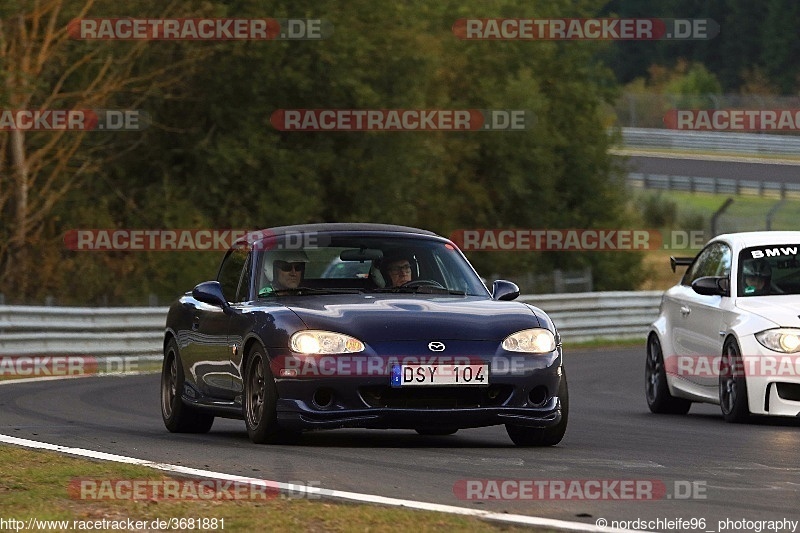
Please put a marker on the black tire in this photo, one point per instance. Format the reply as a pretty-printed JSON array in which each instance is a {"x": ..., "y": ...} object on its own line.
[
  {"x": 525, "y": 436},
  {"x": 436, "y": 431},
  {"x": 659, "y": 400},
  {"x": 733, "y": 385},
  {"x": 260, "y": 402},
  {"x": 179, "y": 417}
]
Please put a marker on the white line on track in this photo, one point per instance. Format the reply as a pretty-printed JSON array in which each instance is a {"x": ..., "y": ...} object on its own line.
[
  {"x": 317, "y": 491},
  {"x": 78, "y": 376}
]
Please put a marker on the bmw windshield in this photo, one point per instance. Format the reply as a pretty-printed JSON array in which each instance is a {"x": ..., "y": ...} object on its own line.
[{"x": 769, "y": 270}]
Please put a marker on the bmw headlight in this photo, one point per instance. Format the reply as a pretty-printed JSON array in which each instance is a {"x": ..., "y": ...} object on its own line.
[
  {"x": 324, "y": 342},
  {"x": 535, "y": 340},
  {"x": 785, "y": 340}
]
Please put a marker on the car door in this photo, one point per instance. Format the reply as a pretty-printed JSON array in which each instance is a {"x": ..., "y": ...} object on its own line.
[
  {"x": 213, "y": 365},
  {"x": 699, "y": 319},
  {"x": 241, "y": 322}
]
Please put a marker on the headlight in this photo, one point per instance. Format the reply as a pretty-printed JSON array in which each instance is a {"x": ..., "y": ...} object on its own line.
[
  {"x": 784, "y": 340},
  {"x": 536, "y": 340},
  {"x": 324, "y": 342}
]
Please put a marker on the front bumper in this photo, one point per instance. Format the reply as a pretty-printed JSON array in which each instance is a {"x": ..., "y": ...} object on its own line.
[
  {"x": 522, "y": 390},
  {"x": 773, "y": 379},
  {"x": 292, "y": 415}
]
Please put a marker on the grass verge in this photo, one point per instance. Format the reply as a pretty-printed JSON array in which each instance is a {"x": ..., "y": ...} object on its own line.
[
  {"x": 35, "y": 484},
  {"x": 601, "y": 344}
]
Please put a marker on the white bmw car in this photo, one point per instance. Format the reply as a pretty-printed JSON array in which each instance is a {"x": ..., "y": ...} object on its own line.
[{"x": 729, "y": 332}]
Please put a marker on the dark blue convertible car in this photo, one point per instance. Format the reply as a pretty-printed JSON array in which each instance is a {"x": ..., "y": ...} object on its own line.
[{"x": 360, "y": 325}]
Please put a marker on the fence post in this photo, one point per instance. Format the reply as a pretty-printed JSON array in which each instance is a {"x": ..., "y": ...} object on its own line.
[
  {"x": 558, "y": 281},
  {"x": 771, "y": 213},
  {"x": 717, "y": 214}
]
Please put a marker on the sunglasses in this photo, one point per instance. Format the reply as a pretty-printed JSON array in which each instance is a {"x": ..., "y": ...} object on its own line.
[
  {"x": 285, "y": 266},
  {"x": 402, "y": 268}
]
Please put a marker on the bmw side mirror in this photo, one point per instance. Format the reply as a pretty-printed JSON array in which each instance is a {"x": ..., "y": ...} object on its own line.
[
  {"x": 504, "y": 290},
  {"x": 712, "y": 286},
  {"x": 210, "y": 292}
]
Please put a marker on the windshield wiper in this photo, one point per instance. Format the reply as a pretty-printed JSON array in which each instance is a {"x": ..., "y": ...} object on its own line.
[
  {"x": 303, "y": 291},
  {"x": 428, "y": 289}
]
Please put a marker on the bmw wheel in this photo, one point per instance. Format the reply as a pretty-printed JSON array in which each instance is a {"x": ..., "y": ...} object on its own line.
[
  {"x": 732, "y": 384},
  {"x": 179, "y": 417},
  {"x": 659, "y": 400}
]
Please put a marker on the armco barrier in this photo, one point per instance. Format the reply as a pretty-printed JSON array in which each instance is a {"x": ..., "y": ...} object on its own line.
[
  {"x": 139, "y": 331},
  {"x": 588, "y": 316},
  {"x": 97, "y": 331},
  {"x": 775, "y": 189},
  {"x": 745, "y": 143}
]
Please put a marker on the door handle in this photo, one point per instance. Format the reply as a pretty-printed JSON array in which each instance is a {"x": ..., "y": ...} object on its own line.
[
  {"x": 685, "y": 310},
  {"x": 196, "y": 323}
]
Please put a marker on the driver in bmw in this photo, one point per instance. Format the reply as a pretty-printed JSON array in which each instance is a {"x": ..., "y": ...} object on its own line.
[{"x": 757, "y": 276}]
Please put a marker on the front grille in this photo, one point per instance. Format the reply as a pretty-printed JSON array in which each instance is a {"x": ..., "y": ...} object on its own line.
[{"x": 435, "y": 397}]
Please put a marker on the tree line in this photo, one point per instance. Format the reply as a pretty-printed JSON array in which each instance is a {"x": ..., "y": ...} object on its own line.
[{"x": 212, "y": 159}]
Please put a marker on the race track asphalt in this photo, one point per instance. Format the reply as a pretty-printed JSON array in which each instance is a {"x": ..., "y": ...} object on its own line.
[{"x": 738, "y": 471}]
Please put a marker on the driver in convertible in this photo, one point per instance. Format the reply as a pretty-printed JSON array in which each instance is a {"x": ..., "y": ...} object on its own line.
[
  {"x": 284, "y": 270},
  {"x": 398, "y": 268}
]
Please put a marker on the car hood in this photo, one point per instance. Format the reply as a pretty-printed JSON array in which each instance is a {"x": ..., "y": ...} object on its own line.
[
  {"x": 377, "y": 318},
  {"x": 781, "y": 309}
]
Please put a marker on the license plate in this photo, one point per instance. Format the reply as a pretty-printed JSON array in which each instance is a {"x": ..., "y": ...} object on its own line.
[{"x": 414, "y": 375}]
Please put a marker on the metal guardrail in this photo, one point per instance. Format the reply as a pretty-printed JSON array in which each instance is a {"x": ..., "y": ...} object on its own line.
[
  {"x": 139, "y": 331},
  {"x": 714, "y": 185},
  {"x": 746, "y": 143},
  {"x": 614, "y": 315},
  {"x": 97, "y": 331}
]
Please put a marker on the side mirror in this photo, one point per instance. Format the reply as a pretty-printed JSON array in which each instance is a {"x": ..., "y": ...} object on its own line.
[
  {"x": 504, "y": 290},
  {"x": 712, "y": 286},
  {"x": 210, "y": 292}
]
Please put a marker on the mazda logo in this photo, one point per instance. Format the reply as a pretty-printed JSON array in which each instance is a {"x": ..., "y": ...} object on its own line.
[{"x": 436, "y": 346}]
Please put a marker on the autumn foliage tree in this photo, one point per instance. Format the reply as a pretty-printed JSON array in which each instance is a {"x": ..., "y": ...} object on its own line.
[
  {"x": 212, "y": 159},
  {"x": 43, "y": 69}
]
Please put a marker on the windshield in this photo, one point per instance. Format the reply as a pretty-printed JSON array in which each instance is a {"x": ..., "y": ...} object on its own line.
[
  {"x": 365, "y": 263},
  {"x": 769, "y": 270}
]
